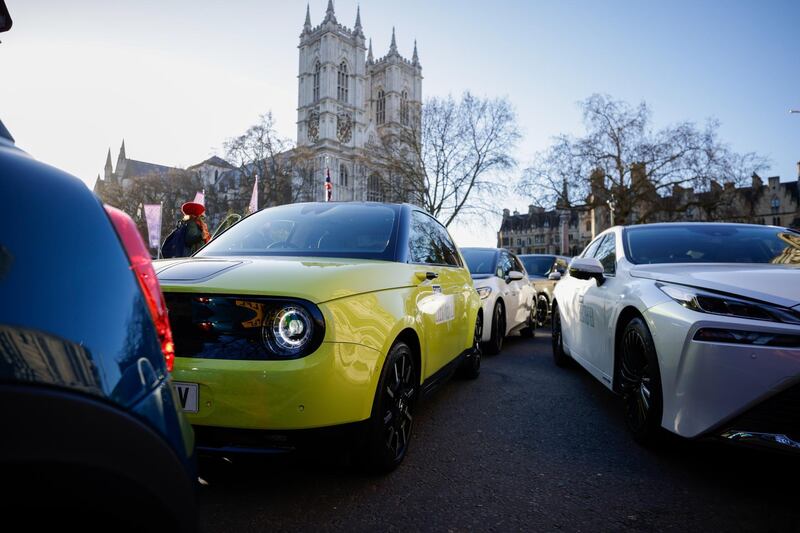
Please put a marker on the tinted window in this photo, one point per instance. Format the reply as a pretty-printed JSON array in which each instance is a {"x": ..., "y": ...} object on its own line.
[
  {"x": 505, "y": 265},
  {"x": 561, "y": 265},
  {"x": 448, "y": 247},
  {"x": 326, "y": 230},
  {"x": 480, "y": 261},
  {"x": 537, "y": 265},
  {"x": 607, "y": 254},
  {"x": 424, "y": 242},
  {"x": 517, "y": 264},
  {"x": 712, "y": 243}
]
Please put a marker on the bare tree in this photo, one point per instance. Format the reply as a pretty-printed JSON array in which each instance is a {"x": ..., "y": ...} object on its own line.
[
  {"x": 620, "y": 160},
  {"x": 262, "y": 152},
  {"x": 452, "y": 159}
]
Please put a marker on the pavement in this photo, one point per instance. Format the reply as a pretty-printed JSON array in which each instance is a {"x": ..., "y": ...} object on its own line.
[{"x": 526, "y": 447}]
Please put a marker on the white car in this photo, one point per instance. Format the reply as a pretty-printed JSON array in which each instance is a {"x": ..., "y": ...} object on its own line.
[
  {"x": 507, "y": 295},
  {"x": 696, "y": 325}
]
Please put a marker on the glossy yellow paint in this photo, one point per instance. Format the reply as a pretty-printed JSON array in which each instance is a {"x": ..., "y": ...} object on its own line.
[{"x": 366, "y": 305}]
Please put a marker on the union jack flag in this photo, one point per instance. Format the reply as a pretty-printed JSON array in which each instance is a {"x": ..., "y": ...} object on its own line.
[{"x": 328, "y": 185}]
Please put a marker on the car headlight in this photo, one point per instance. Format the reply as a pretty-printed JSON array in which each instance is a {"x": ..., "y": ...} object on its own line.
[
  {"x": 722, "y": 304},
  {"x": 289, "y": 331},
  {"x": 484, "y": 292}
]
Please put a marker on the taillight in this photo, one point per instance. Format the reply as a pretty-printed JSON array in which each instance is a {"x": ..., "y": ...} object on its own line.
[{"x": 142, "y": 266}]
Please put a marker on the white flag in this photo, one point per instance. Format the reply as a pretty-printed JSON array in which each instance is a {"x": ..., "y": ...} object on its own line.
[
  {"x": 152, "y": 214},
  {"x": 200, "y": 197},
  {"x": 254, "y": 199}
]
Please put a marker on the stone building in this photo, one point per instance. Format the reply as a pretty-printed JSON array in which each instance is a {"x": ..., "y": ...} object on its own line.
[
  {"x": 346, "y": 95},
  {"x": 568, "y": 229}
]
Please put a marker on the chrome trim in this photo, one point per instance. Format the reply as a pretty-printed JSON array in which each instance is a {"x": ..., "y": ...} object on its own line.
[{"x": 770, "y": 440}]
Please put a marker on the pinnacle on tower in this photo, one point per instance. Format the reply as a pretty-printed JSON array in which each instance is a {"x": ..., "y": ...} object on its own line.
[
  {"x": 329, "y": 15},
  {"x": 108, "y": 171},
  {"x": 122, "y": 150},
  {"x": 357, "y": 26},
  {"x": 393, "y": 46},
  {"x": 415, "y": 57},
  {"x": 370, "y": 58},
  {"x": 307, "y": 24},
  {"x": 108, "y": 159}
]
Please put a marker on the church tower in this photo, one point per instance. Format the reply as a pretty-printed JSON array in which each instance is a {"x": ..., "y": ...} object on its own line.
[{"x": 346, "y": 96}]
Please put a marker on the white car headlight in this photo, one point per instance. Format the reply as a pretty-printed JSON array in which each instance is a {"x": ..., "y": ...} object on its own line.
[
  {"x": 721, "y": 304},
  {"x": 484, "y": 292}
]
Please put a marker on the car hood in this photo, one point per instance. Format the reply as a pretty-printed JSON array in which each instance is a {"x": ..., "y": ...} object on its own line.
[
  {"x": 777, "y": 284},
  {"x": 314, "y": 279}
]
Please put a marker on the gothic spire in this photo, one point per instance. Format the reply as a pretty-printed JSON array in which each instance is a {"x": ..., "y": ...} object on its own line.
[
  {"x": 122, "y": 150},
  {"x": 307, "y": 25},
  {"x": 358, "y": 18},
  {"x": 370, "y": 58},
  {"x": 415, "y": 57},
  {"x": 329, "y": 15},
  {"x": 393, "y": 46},
  {"x": 108, "y": 160}
]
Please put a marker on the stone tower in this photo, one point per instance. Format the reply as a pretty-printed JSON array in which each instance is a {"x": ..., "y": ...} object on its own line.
[{"x": 345, "y": 96}]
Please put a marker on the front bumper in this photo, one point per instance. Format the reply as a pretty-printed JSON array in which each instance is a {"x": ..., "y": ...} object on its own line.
[
  {"x": 707, "y": 385},
  {"x": 334, "y": 385}
]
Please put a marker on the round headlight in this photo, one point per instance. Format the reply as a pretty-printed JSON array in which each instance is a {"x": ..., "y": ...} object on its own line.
[{"x": 289, "y": 331}]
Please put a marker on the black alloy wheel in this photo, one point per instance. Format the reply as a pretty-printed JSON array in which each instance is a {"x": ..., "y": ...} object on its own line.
[
  {"x": 471, "y": 367},
  {"x": 542, "y": 308},
  {"x": 389, "y": 431},
  {"x": 560, "y": 358},
  {"x": 495, "y": 343},
  {"x": 640, "y": 383}
]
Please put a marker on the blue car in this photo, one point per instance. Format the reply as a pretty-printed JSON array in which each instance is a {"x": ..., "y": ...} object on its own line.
[{"x": 91, "y": 433}]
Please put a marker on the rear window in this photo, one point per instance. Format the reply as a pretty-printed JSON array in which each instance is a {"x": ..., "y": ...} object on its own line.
[
  {"x": 711, "y": 243},
  {"x": 538, "y": 265},
  {"x": 316, "y": 229}
]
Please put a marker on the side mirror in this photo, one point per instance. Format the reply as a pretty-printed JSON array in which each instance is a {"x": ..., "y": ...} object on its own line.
[
  {"x": 516, "y": 275},
  {"x": 554, "y": 276},
  {"x": 587, "y": 268},
  {"x": 5, "y": 18}
]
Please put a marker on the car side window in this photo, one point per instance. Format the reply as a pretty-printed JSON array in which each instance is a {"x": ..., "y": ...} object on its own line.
[
  {"x": 518, "y": 266},
  {"x": 423, "y": 241},
  {"x": 607, "y": 254},
  {"x": 448, "y": 247},
  {"x": 561, "y": 266},
  {"x": 504, "y": 265},
  {"x": 592, "y": 248}
]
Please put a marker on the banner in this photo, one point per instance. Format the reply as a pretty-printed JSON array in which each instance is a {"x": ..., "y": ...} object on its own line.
[
  {"x": 200, "y": 197},
  {"x": 152, "y": 214},
  {"x": 254, "y": 199}
]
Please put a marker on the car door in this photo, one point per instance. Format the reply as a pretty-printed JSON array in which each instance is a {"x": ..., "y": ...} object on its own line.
[
  {"x": 435, "y": 297},
  {"x": 508, "y": 292},
  {"x": 571, "y": 306},
  {"x": 598, "y": 336},
  {"x": 525, "y": 292}
]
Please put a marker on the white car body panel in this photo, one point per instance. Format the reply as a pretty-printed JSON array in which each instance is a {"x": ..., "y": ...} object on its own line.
[
  {"x": 517, "y": 298},
  {"x": 704, "y": 384}
]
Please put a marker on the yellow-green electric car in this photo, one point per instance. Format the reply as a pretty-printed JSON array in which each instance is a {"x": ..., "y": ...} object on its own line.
[{"x": 313, "y": 317}]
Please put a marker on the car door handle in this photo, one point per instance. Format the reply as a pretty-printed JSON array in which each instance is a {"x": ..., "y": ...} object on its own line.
[{"x": 422, "y": 276}]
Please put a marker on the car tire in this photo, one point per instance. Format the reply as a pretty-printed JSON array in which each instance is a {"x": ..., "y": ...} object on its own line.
[
  {"x": 388, "y": 430},
  {"x": 495, "y": 343},
  {"x": 640, "y": 383},
  {"x": 560, "y": 357},
  {"x": 529, "y": 331},
  {"x": 471, "y": 367},
  {"x": 542, "y": 308}
]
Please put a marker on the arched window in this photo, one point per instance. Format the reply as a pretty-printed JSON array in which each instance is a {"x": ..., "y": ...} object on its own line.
[
  {"x": 776, "y": 204},
  {"x": 404, "y": 115},
  {"x": 317, "y": 70},
  {"x": 343, "y": 177},
  {"x": 343, "y": 83},
  {"x": 374, "y": 189},
  {"x": 381, "y": 114}
]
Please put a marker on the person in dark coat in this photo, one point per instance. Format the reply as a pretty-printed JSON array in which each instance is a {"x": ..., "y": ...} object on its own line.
[{"x": 196, "y": 229}]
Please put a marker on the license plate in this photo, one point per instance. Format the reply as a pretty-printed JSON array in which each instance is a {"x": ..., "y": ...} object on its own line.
[{"x": 187, "y": 396}]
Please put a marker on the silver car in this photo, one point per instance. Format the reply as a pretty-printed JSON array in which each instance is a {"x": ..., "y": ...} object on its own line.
[
  {"x": 696, "y": 325},
  {"x": 544, "y": 271}
]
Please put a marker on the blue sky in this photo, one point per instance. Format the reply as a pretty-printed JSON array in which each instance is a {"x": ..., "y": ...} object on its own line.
[{"x": 175, "y": 78}]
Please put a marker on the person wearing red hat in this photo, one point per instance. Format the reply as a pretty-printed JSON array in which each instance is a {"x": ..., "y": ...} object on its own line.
[{"x": 196, "y": 229}]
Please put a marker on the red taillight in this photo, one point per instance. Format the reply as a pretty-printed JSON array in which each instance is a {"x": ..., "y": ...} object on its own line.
[{"x": 142, "y": 266}]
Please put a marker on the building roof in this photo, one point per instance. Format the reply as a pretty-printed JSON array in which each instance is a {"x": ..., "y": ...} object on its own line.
[
  {"x": 134, "y": 168},
  {"x": 213, "y": 161}
]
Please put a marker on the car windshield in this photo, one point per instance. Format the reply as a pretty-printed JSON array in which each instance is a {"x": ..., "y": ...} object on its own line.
[
  {"x": 537, "y": 265},
  {"x": 314, "y": 229},
  {"x": 712, "y": 243},
  {"x": 480, "y": 261}
]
